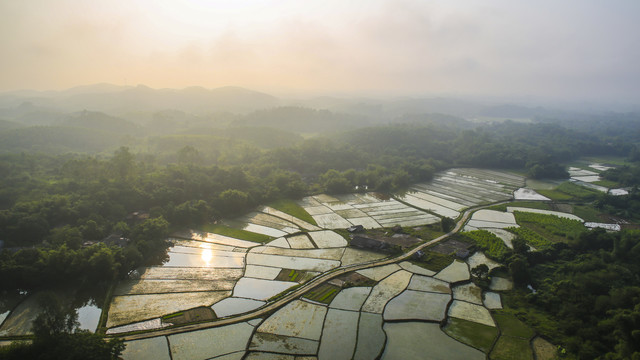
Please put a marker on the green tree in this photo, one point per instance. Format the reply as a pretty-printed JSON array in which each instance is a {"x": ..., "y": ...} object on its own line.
[{"x": 232, "y": 202}]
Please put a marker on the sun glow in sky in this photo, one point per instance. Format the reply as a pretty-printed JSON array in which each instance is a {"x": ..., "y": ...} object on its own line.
[{"x": 572, "y": 48}]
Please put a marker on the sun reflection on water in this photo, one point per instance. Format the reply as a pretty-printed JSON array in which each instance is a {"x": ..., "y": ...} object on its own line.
[{"x": 207, "y": 256}]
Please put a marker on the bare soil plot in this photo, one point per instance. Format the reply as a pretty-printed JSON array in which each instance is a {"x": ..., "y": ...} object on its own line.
[
  {"x": 352, "y": 279},
  {"x": 450, "y": 246},
  {"x": 189, "y": 316}
]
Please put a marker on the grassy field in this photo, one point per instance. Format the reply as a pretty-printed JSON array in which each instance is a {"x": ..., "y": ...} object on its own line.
[
  {"x": 607, "y": 183},
  {"x": 425, "y": 232},
  {"x": 292, "y": 208},
  {"x": 434, "y": 261},
  {"x": 570, "y": 191},
  {"x": 511, "y": 326},
  {"x": 587, "y": 213},
  {"x": 511, "y": 348},
  {"x": 236, "y": 233},
  {"x": 477, "y": 335},
  {"x": 515, "y": 336}
]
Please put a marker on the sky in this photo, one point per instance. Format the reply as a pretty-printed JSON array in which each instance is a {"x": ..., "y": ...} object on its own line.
[{"x": 569, "y": 49}]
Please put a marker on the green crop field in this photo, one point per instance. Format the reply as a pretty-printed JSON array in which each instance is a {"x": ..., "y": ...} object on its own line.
[
  {"x": 292, "y": 208},
  {"x": 492, "y": 245},
  {"x": 237, "y": 233}
]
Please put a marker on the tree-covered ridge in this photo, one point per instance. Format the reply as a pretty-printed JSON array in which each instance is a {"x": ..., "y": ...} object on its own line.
[{"x": 588, "y": 293}]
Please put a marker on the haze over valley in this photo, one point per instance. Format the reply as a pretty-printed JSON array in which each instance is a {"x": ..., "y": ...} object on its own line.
[{"x": 319, "y": 180}]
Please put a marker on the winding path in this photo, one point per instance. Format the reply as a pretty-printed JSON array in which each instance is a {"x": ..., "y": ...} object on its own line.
[{"x": 303, "y": 288}]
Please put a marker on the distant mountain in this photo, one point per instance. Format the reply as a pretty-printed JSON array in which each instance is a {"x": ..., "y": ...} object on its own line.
[{"x": 119, "y": 99}]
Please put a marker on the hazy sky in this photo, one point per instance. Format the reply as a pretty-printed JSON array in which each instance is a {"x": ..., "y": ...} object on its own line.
[{"x": 544, "y": 48}]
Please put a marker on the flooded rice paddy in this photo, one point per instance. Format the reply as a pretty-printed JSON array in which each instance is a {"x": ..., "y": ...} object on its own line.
[{"x": 391, "y": 311}]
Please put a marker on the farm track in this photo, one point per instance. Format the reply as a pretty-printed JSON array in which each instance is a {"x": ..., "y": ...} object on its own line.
[{"x": 305, "y": 287}]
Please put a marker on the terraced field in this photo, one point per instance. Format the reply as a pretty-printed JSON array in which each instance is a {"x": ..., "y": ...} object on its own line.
[{"x": 361, "y": 314}]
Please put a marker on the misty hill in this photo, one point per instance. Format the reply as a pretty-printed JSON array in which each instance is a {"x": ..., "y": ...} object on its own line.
[
  {"x": 98, "y": 121},
  {"x": 56, "y": 140},
  {"x": 302, "y": 120},
  {"x": 6, "y": 124},
  {"x": 434, "y": 119}
]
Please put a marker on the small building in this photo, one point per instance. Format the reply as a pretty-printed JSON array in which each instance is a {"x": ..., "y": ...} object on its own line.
[
  {"x": 369, "y": 243},
  {"x": 355, "y": 228},
  {"x": 116, "y": 239}
]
